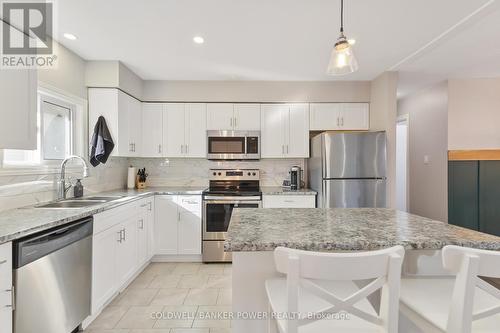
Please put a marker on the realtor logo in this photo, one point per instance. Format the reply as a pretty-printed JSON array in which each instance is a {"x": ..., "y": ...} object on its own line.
[{"x": 27, "y": 31}]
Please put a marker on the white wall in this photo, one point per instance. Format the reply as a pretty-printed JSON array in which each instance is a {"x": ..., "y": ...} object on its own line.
[
  {"x": 383, "y": 111},
  {"x": 69, "y": 76},
  {"x": 113, "y": 74},
  {"x": 256, "y": 91},
  {"x": 428, "y": 123},
  {"x": 474, "y": 114}
]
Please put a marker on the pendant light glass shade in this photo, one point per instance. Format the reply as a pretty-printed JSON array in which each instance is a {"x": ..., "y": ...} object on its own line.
[{"x": 342, "y": 59}]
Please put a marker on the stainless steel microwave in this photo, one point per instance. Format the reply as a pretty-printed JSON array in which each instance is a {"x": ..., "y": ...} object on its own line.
[{"x": 233, "y": 145}]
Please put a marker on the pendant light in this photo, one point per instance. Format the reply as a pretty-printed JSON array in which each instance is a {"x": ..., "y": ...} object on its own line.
[{"x": 342, "y": 60}]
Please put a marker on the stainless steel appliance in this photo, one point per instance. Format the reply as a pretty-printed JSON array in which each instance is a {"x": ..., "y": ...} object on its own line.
[
  {"x": 228, "y": 189},
  {"x": 233, "y": 145},
  {"x": 348, "y": 169},
  {"x": 295, "y": 178},
  {"x": 52, "y": 279}
]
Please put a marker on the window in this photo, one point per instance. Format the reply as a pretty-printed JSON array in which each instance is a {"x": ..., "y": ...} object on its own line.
[{"x": 54, "y": 135}]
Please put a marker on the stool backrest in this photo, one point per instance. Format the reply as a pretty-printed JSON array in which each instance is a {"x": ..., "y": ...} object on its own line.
[
  {"x": 468, "y": 264},
  {"x": 383, "y": 266}
]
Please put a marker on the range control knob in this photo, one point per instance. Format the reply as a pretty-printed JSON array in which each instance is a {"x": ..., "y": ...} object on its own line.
[
  {"x": 215, "y": 173},
  {"x": 253, "y": 173},
  {"x": 249, "y": 173},
  {"x": 219, "y": 173}
]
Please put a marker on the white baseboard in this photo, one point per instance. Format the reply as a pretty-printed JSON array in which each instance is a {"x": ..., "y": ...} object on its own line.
[{"x": 176, "y": 258}]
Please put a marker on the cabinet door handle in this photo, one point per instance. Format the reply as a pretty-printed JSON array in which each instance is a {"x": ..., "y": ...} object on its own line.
[
  {"x": 187, "y": 149},
  {"x": 141, "y": 224},
  {"x": 338, "y": 121},
  {"x": 3, "y": 261},
  {"x": 178, "y": 216},
  {"x": 182, "y": 149},
  {"x": 159, "y": 149},
  {"x": 342, "y": 121},
  {"x": 119, "y": 240},
  {"x": 283, "y": 149},
  {"x": 150, "y": 206},
  {"x": 124, "y": 235},
  {"x": 231, "y": 122},
  {"x": 235, "y": 122},
  {"x": 287, "y": 149}
]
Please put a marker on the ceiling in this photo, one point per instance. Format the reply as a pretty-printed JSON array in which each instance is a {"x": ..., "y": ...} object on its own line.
[{"x": 275, "y": 39}]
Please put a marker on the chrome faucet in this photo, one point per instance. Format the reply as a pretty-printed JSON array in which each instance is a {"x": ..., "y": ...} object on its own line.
[{"x": 61, "y": 192}]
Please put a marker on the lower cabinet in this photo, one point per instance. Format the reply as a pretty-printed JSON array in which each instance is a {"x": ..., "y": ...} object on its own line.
[
  {"x": 6, "y": 287},
  {"x": 120, "y": 248},
  {"x": 288, "y": 201},
  {"x": 177, "y": 225}
]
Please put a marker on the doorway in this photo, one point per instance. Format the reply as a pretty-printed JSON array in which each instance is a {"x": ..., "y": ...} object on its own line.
[{"x": 402, "y": 165}]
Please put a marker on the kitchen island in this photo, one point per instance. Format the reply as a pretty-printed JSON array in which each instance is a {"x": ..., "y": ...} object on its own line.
[{"x": 254, "y": 234}]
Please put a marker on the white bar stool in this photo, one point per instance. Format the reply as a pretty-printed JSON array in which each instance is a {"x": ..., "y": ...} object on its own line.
[
  {"x": 455, "y": 305},
  {"x": 319, "y": 284}
]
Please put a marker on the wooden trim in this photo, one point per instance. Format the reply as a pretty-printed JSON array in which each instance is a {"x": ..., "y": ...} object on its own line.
[{"x": 474, "y": 155}]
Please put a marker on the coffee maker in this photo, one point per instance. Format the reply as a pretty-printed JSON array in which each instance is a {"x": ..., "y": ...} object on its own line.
[{"x": 295, "y": 177}]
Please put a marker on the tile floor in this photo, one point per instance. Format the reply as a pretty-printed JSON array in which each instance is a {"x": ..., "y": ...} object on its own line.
[{"x": 171, "y": 298}]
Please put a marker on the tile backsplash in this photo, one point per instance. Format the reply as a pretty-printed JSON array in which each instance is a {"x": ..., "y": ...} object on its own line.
[
  {"x": 24, "y": 188},
  {"x": 194, "y": 172}
]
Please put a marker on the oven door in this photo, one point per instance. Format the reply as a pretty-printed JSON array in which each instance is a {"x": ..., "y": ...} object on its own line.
[{"x": 217, "y": 215}]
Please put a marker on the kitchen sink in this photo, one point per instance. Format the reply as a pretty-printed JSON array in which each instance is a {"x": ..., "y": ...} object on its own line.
[
  {"x": 104, "y": 198},
  {"x": 74, "y": 203}
]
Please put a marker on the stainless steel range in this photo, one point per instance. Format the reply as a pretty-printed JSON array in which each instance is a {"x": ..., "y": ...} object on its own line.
[{"x": 229, "y": 188}]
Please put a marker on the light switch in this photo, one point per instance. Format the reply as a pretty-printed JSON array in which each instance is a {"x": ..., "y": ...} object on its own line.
[{"x": 427, "y": 159}]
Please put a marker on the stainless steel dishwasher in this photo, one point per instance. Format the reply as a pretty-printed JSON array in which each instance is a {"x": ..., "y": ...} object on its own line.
[{"x": 52, "y": 279}]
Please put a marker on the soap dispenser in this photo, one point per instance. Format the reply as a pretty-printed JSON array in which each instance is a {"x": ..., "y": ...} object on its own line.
[{"x": 78, "y": 189}]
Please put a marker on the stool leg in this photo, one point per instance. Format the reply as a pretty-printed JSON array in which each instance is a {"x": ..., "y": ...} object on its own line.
[{"x": 271, "y": 324}]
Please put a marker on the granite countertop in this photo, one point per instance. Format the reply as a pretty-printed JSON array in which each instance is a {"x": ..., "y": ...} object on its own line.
[
  {"x": 345, "y": 229},
  {"x": 20, "y": 222},
  {"x": 278, "y": 190}
]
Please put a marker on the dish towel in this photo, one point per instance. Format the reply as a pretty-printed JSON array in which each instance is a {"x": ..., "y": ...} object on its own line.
[{"x": 101, "y": 144}]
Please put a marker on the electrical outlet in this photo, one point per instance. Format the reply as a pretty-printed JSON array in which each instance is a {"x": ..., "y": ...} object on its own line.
[{"x": 427, "y": 159}]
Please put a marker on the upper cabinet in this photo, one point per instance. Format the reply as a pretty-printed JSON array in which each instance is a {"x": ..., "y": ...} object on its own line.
[
  {"x": 123, "y": 115},
  {"x": 18, "y": 91},
  {"x": 227, "y": 116},
  {"x": 340, "y": 116},
  {"x": 285, "y": 130},
  {"x": 184, "y": 130},
  {"x": 152, "y": 129}
]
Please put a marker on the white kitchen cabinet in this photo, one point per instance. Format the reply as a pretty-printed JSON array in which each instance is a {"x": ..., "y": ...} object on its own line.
[
  {"x": 220, "y": 116},
  {"x": 18, "y": 104},
  {"x": 247, "y": 117},
  {"x": 184, "y": 128},
  {"x": 196, "y": 130},
  {"x": 355, "y": 116},
  {"x": 189, "y": 224},
  {"x": 285, "y": 130},
  {"x": 104, "y": 285},
  {"x": 123, "y": 115},
  {"x": 228, "y": 116},
  {"x": 152, "y": 130},
  {"x": 115, "y": 251},
  {"x": 6, "y": 287},
  {"x": 18, "y": 109},
  {"x": 288, "y": 201},
  {"x": 145, "y": 231},
  {"x": 178, "y": 225},
  {"x": 165, "y": 225},
  {"x": 126, "y": 254},
  {"x": 340, "y": 116}
]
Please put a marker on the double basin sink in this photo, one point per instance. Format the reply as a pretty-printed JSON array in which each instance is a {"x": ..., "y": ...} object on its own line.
[{"x": 79, "y": 203}]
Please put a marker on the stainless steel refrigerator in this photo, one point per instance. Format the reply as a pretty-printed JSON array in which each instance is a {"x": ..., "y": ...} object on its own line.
[{"x": 348, "y": 169}]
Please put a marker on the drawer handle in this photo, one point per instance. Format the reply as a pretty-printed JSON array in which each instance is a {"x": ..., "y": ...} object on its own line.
[{"x": 3, "y": 261}]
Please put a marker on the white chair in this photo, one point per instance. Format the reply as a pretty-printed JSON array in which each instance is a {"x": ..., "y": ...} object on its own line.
[
  {"x": 455, "y": 305},
  {"x": 322, "y": 284}
]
